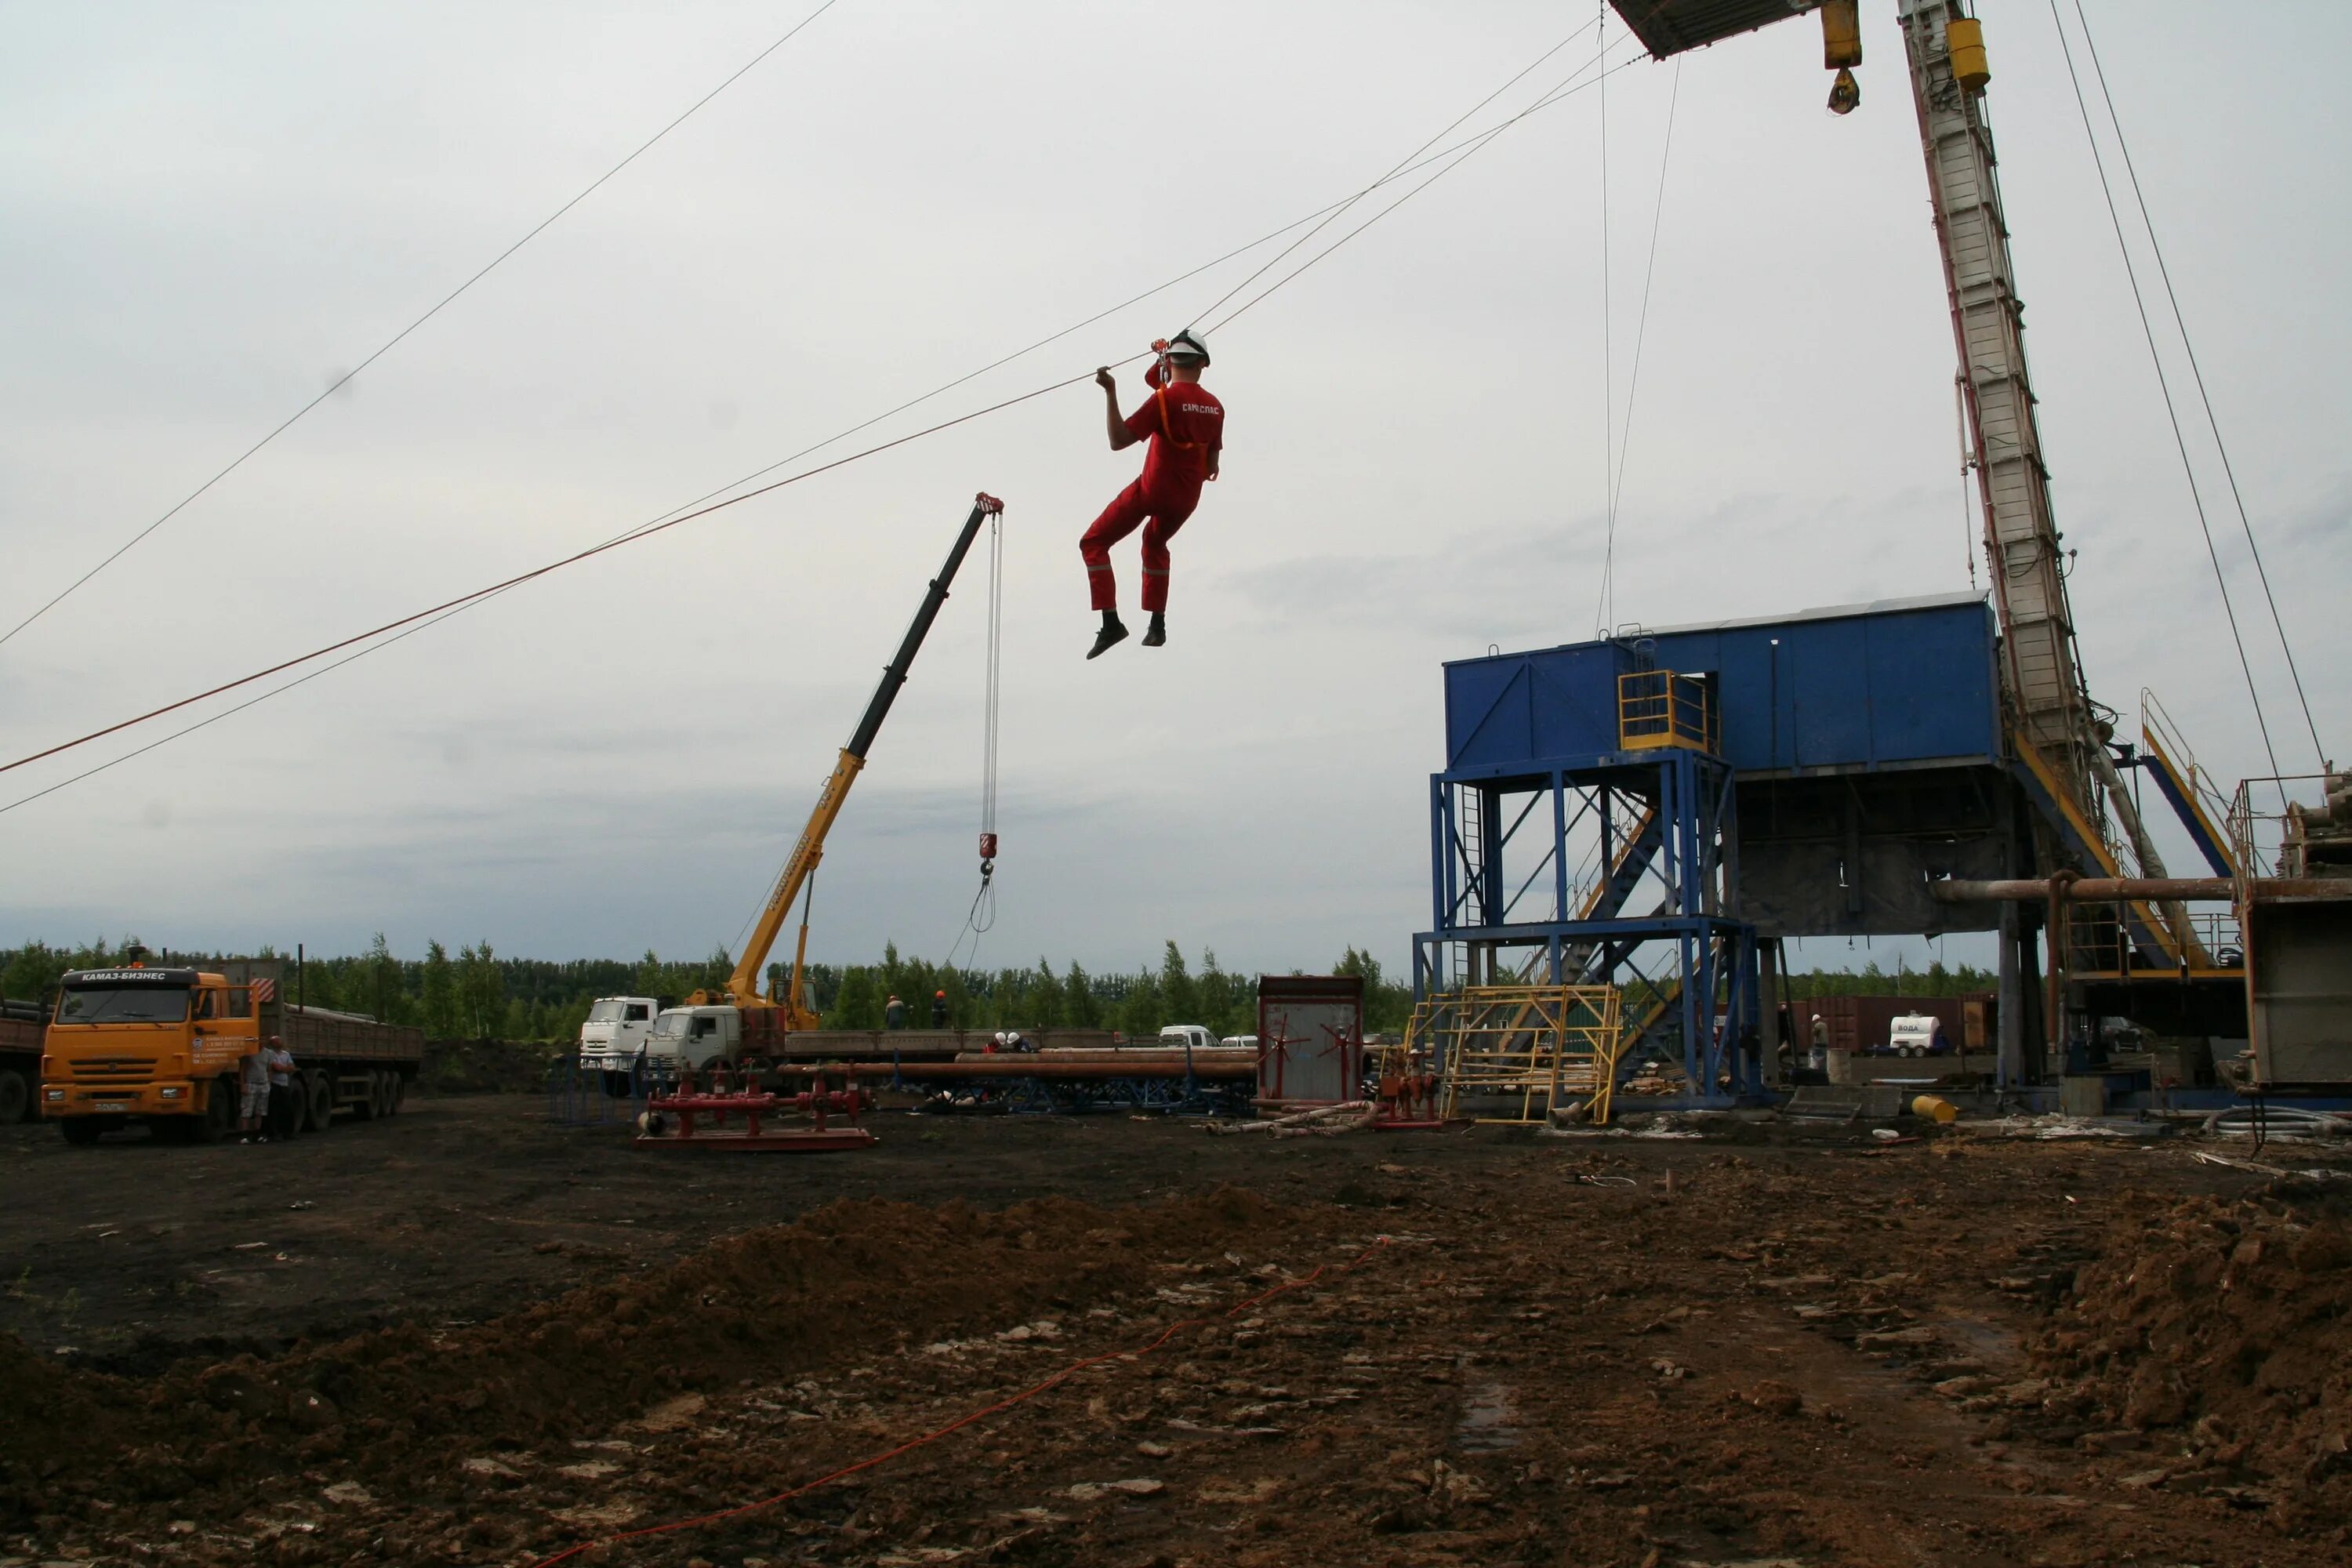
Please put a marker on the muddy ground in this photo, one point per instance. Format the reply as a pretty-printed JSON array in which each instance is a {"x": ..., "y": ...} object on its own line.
[{"x": 465, "y": 1336}]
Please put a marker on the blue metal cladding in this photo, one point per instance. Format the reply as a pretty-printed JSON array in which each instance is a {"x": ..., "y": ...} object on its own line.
[{"x": 1863, "y": 687}]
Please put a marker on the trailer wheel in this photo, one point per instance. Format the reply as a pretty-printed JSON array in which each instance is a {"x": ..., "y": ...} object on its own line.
[
  {"x": 320, "y": 1091},
  {"x": 81, "y": 1131},
  {"x": 15, "y": 1097}
]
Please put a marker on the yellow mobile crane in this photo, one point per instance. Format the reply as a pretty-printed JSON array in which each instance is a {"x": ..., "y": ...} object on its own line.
[{"x": 760, "y": 1023}]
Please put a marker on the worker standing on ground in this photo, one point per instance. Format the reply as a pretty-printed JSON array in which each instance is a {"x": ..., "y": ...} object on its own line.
[
  {"x": 280, "y": 1062},
  {"x": 253, "y": 1097},
  {"x": 1186, "y": 426}
]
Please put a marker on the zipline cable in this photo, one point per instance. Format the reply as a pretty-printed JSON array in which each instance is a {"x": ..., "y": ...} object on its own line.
[
  {"x": 2197, "y": 372},
  {"x": 1607, "y": 369},
  {"x": 2164, "y": 386},
  {"x": 343, "y": 380},
  {"x": 1447, "y": 160},
  {"x": 1633, "y": 383},
  {"x": 1332, "y": 214},
  {"x": 1461, "y": 152}
]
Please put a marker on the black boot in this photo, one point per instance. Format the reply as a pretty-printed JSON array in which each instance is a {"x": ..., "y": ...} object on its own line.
[
  {"x": 1114, "y": 631},
  {"x": 1158, "y": 635}
]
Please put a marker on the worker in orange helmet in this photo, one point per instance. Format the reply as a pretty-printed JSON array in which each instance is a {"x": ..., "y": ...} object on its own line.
[
  {"x": 1186, "y": 426},
  {"x": 938, "y": 1010}
]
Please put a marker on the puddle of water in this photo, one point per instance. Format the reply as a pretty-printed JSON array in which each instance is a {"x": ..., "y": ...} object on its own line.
[{"x": 1486, "y": 1426}]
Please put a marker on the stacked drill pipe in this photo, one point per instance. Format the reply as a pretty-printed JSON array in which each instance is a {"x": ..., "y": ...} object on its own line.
[{"x": 1217, "y": 1063}]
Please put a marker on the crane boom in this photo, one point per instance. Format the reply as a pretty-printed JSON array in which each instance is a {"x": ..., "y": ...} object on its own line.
[{"x": 743, "y": 986}]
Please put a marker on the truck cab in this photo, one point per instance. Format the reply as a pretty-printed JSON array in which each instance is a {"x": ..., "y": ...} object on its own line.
[
  {"x": 614, "y": 1035},
  {"x": 1178, "y": 1036},
  {"x": 159, "y": 1046},
  {"x": 692, "y": 1037}
]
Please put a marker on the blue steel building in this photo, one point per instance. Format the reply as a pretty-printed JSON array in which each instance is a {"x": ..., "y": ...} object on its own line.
[{"x": 1662, "y": 806}]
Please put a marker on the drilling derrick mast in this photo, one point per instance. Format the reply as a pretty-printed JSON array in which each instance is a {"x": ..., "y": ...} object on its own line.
[{"x": 2059, "y": 734}]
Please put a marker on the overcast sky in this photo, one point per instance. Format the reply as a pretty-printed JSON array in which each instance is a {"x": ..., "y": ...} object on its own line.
[{"x": 207, "y": 214}]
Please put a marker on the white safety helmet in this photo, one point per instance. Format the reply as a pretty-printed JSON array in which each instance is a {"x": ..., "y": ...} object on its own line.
[{"x": 1185, "y": 346}]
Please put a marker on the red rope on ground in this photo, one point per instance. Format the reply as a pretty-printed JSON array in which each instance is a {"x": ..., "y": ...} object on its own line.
[{"x": 961, "y": 1422}]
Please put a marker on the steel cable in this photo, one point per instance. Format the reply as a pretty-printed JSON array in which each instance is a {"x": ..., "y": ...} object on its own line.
[
  {"x": 1446, "y": 161},
  {"x": 393, "y": 342},
  {"x": 2197, "y": 373},
  {"x": 2164, "y": 386}
]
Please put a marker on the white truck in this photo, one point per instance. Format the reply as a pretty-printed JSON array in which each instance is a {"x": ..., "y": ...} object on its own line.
[
  {"x": 694, "y": 1037},
  {"x": 1177, "y": 1036},
  {"x": 614, "y": 1036}
]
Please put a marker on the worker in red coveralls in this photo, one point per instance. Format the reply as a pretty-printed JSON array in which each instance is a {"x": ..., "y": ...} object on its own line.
[{"x": 1186, "y": 426}]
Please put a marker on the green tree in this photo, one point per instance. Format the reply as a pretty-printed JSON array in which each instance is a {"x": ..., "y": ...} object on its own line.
[
  {"x": 481, "y": 991},
  {"x": 383, "y": 978},
  {"x": 859, "y": 1003},
  {"x": 1045, "y": 1001},
  {"x": 440, "y": 987},
  {"x": 1144, "y": 1009},
  {"x": 1080, "y": 1006},
  {"x": 1178, "y": 998}
]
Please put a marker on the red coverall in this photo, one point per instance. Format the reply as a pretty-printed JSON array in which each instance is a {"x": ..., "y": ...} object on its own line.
[{"x": 1185, "y": 424}]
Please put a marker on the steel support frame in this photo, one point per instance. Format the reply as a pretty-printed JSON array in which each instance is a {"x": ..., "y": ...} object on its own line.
[{"x": 1711, "y": 955}]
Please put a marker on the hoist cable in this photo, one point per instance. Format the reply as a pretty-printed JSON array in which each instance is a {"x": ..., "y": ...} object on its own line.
[
  {"x": 2164, "y": 386},
  {"x": 2197, "y": 373},
  {"x": 994, "y": 705},
  {"x": 1633, "y": 383},
  {"x": 1443, "y": 162},
  {"x": 981, "y": 917},
  {"x": 343, "y": 380}
]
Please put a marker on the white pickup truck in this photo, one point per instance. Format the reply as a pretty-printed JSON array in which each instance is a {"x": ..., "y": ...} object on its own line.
[{"x": 616, "y": 1032}]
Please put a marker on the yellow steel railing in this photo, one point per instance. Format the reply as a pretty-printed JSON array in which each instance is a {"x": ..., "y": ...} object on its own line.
[
  {"x": 1657, "y": 708},
  {"x": 1523, "y": 1050}
]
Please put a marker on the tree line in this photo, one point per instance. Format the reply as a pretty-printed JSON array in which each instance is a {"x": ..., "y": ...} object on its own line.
[{"x": 477, "y": 994}]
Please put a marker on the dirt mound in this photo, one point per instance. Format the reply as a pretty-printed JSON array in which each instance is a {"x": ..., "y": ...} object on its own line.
[
  {"x": 2231, "y": 1320},
  {"x": 56, "y": 1422},
  {"x": 851, "y": 1280}
]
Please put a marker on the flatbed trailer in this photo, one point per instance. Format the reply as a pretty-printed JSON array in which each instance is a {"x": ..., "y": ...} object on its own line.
[{"x": 21, "y": 1026}]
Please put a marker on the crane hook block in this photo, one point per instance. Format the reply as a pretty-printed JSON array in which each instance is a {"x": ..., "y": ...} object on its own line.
[
  {"x": 987, "y": 847},
  {"x": 1841, "y": 34}
]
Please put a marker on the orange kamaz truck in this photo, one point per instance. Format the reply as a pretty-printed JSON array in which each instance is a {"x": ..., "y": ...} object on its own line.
[{"x": 162, "y": 1045}]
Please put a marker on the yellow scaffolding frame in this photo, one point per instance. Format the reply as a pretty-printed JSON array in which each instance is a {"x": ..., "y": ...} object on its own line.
[{"x": 1540, "y": 1043}]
